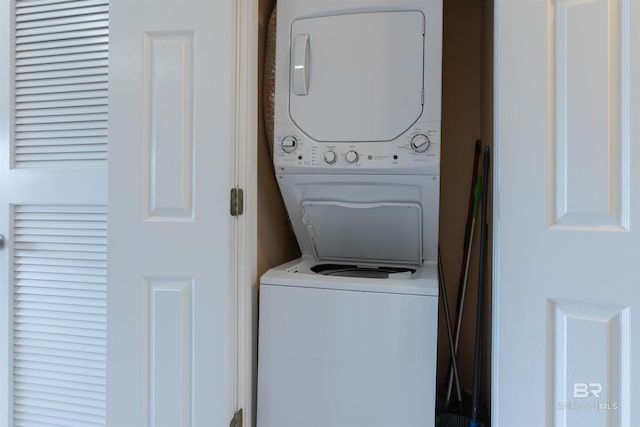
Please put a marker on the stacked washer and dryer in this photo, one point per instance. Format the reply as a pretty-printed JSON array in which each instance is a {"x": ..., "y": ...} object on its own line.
[{"x": 348, "y": 332}]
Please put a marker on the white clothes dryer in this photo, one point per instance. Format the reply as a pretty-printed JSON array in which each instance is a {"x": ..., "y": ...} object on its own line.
[
  {"x": 358, "y": 86},
  {"x": 357, "y": 120}
]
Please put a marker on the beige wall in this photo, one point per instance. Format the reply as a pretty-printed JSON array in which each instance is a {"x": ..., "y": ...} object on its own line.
[
  {"x": 276, "y": 242},
  {"x": 487, "y": 135},
  {"x": 461, "y": 127},
  {"x": 466, "y": 117}
]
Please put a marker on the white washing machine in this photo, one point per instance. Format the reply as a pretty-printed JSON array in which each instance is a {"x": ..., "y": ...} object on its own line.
[
  {"x": 347, "y": 333},
  {"x": 347, "y": 351}
]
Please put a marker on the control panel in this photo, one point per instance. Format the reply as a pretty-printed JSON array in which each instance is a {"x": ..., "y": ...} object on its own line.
[{"x": 417, "y": 148}]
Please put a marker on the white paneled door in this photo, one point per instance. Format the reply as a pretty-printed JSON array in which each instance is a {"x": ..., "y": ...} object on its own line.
[
  {"x": 171, "y": 265},
  {"x": 567, "y": 208}
]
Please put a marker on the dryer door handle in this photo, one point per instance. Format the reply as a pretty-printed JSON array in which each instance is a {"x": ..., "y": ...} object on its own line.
[{"x": 301, "y": 47}]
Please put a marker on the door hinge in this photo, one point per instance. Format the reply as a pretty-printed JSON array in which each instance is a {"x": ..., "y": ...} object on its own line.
[
  {"x": 237, "y": 202},
  {"x": 236, "y": 421}
]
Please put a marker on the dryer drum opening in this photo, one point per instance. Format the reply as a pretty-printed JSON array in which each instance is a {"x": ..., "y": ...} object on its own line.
[{"x": 344, "y": 270}]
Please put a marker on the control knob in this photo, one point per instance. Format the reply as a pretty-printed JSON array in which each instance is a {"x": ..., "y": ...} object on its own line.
[
  {"x": 289, "y": 144},
  {"x": 352, "y": 156},
  {"x": 420, "y": 143},
  {"x": 330, "y": 157}
]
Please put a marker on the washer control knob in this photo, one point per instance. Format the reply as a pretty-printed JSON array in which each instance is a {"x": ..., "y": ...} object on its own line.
[
  {"x": 352, "y": 156},
  {"x": 289, "y": 144},
  {"x": 420, "y": 143},
  {"x": 330, "y": 157}
]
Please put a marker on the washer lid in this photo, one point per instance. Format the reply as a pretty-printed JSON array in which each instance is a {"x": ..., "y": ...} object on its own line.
[
  {"x": 357, "y": 77},
  {"x": 380, "y": 233}
]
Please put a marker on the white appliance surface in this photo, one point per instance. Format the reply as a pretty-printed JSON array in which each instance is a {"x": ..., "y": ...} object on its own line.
[
  {"x": 361, "y": 229},
  {"x": 357, "y": 159},
  {"x": 342, "y": 52},
  {"x": 358, "y": 86},
  {"x": 357, "y": 127},
  {"x": 405, "y": 224},
  {"x": 346, "y": 352},
  {"x": 297, "y": 273}
]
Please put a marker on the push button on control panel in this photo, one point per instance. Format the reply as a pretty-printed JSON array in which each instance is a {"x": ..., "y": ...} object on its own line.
[{"x": 289, "y": 144}]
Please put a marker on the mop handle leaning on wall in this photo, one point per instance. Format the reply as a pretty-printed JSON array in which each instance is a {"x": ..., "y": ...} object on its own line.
[
  {"x": 482, "y": 275},
  {"x": 474, "y": 199},
  {"x": 447, "y": 319}
]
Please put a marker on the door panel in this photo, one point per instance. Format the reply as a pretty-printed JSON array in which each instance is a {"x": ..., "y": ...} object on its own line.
[
  {"x": 565, "y": 268},
  {"x": 589, "y": 72},
  {"x": 171, "y": 237},
  {"x": 59, "y": 307},
  {"x": 53, "y": 151}
]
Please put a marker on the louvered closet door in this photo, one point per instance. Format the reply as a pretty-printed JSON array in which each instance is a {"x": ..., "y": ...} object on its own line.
[{"x": 53, "y": 141}]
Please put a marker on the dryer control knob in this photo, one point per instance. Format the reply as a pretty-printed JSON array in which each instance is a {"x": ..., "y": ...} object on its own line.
[
  {"x": 352, "y": 156},
  {"x": 420, "y": 143},
  {"x": 330, "y": 157},
  {"x": 289, "y": 144}
]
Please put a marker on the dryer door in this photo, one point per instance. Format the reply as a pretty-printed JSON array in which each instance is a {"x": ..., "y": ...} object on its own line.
[{"x": 357, "y": 77}]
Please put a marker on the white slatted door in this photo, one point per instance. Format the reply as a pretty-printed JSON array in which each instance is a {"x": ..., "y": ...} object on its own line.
[
  {"x": 53, "y": 142},
  {"x": 171, "y": 237},
  {"x": 566, "y": 300},
  {"x": 59, "y": 352}
]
